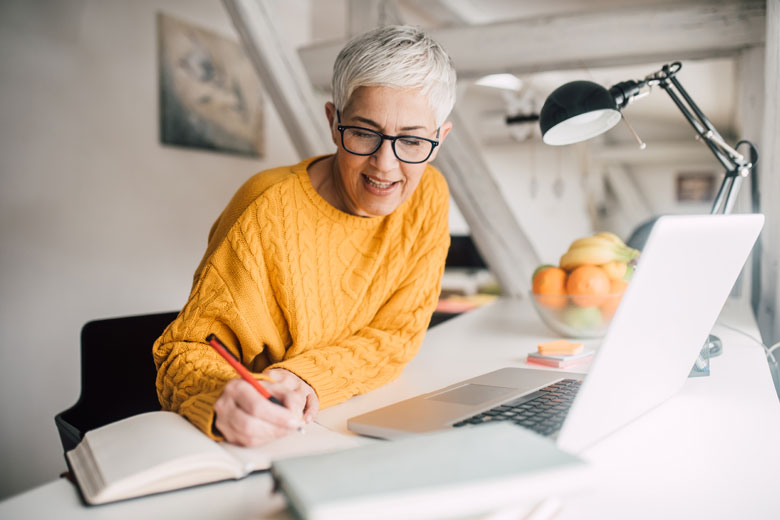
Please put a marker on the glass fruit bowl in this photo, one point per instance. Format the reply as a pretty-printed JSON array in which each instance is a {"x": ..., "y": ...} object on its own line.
[{"x": 577, "y": 315}]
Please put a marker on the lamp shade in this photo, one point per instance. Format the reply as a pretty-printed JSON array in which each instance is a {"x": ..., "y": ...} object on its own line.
[{"x": 577, "y": 111}]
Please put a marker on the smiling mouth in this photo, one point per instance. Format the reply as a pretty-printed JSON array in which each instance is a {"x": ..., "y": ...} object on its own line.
[{"x": 379, "y": 185}]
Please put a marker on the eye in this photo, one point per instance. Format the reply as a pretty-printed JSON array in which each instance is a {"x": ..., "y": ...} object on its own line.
[
  {"x": 411, "y": 141},
  {"x": 362, "y": 134}
]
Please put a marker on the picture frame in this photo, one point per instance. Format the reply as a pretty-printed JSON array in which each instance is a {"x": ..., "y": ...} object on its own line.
[
  {"x": 210, "y": 96},
  {"x": 695, "y": 187}
]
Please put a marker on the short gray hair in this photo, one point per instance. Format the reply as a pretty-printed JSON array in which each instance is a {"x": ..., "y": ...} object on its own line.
[{"x": 396, "y": 56}]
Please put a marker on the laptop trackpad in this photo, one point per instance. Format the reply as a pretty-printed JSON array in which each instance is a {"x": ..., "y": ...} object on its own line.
[{"x": 473, "y": 394}]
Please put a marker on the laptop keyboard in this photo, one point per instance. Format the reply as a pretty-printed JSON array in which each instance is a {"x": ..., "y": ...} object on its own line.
[{"x": 542, "y": 411}]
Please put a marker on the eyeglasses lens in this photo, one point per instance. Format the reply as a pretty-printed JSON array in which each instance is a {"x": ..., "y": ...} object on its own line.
[{"x": 366, "y": 142}]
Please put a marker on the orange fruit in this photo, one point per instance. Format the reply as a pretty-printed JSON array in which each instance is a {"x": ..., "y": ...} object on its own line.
[
  {"x": 611, "y": 302},
  {"x": 617, "y": 286},
  {"x": 588, "y": 285},
  {"x": 539, "y": 269},
  {"x": 549, "y": 284}
]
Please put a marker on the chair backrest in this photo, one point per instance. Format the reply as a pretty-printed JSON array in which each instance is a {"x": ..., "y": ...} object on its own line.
[
  {"x": 463, "y": 253},
  {"x": 117, "y": 374}
]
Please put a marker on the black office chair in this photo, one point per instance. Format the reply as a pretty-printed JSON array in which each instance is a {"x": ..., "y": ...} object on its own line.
[
  {"x": 117, "y": 374},
  {"x": 462, "y": 254}
]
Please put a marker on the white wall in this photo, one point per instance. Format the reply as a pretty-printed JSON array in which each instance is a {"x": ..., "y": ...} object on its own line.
[{"x": 97, "y": 219}]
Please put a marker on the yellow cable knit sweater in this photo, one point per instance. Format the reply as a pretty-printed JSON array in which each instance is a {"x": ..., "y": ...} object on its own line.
[{"x": 288, "y": 281}]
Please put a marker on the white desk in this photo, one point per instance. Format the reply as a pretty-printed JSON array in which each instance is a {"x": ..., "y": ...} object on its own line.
[{"x": 712, "y": 451}]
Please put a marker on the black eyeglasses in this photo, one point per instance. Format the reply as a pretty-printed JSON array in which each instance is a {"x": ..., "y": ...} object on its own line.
[{"x": 364, "y": 141}]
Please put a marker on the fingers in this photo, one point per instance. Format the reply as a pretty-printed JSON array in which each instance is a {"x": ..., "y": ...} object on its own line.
[
  {"x": 240, "y": 428},
  {"x": 245, "y": 417},
  {"x": 287, "y": 387},
  {"x": 299, "y": 397},
  {"x": 253, "y": 403},
  {"x": 312, "y": 408}
]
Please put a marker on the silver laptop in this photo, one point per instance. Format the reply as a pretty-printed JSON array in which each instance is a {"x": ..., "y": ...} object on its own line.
[{"x": 684, "y": 275}]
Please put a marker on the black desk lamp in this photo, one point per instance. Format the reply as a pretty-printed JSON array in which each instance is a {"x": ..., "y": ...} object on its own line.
[{"x": 580, "y": 110}]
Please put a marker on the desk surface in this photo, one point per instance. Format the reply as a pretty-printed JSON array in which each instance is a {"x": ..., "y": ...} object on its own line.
[{"x": 712, "y": 451}]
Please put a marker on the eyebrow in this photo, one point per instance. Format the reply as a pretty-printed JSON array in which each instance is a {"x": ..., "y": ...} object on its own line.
[{"x": 375, "y": 125}]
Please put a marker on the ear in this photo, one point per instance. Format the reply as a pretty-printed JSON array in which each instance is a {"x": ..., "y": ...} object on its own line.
[
  {"x": 330, "y": 113},
  {"x": 444, "y": 129}
]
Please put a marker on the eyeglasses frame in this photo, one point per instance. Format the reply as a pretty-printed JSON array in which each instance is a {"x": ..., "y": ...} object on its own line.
[{"x": 385, "y": 137}]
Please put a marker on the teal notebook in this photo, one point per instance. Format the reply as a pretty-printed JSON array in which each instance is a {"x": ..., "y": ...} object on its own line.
[{"x": 452, "y": 473}]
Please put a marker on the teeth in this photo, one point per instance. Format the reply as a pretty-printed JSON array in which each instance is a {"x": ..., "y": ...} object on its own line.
[{"x": 380, "y": 185}]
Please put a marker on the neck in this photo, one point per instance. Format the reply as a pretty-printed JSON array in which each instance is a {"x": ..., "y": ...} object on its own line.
[{"x": 326, "y": 181}]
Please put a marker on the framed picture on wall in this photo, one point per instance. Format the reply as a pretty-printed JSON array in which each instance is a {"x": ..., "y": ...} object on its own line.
[
  {"x": 695, "y": 186},
  {"x": 210, "y": 96}
]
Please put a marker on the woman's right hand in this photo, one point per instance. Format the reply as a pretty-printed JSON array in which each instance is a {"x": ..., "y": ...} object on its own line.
[{"x": 246, "y": 418}]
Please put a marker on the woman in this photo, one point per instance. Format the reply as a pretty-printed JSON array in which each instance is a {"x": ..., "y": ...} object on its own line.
[{"x": 322, "y": 277}]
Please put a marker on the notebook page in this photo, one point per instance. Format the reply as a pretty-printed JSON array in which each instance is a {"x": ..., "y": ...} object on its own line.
[
  {"x": 315, "y": 439},
  {"x": 152, "y": 446}
]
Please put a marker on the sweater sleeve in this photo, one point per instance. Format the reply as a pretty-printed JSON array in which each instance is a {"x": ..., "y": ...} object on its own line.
[
  {"x": 377, "y": 353},
  {"x": 190, "y": 374}
]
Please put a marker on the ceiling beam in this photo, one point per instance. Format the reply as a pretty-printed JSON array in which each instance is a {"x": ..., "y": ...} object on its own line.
[
  {"x": 363, "y": 15},
  {"x": 631, "y": 201},
  {"x": 434, "y": 12},
  {"x": 678, "y": 152},
  {"x": 613, "y": 37},
  {"x": 281, "y": 74}
]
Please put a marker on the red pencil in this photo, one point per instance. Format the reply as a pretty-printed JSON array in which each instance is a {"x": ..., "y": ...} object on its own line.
[{"x": 241, "y": 369}]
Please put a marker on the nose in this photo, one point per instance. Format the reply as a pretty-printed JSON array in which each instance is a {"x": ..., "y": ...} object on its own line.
[{"x": 384, "y": 158}]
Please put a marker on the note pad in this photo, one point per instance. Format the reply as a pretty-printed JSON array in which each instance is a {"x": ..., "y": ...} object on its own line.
[
  {"x": 437, "y": 475},
  {"x": 560, "y": 346}
]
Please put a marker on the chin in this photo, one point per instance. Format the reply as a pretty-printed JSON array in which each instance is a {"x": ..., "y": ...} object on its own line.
[{"x": 379, "y": 208}]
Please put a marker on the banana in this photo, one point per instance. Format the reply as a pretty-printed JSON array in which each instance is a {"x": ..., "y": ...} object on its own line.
[
  {"x": 596, "y": 255},
  {"x": 593, "y": 255},
  {"x": 594, "y": 241},
  {"x": 598, "y": 249},
  {"x": 612, "y": 237}
]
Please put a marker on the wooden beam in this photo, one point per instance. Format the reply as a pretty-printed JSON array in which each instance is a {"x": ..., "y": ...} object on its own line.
[
  {"x": 618, "y": 36},
  {"x": 768, "y": 312},
  {"x": 631, "y": 202},
  {"x": 501, "y": 240},
  {"x": 282, "y": 75},
  {"x": 657, "y": 152},
  {"x": 364, "y": 15},
  {"x": 432, "y": 12}
]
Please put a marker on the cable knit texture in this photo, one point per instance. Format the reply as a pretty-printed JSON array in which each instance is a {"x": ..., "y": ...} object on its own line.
[{"x": 289, "y": 281}]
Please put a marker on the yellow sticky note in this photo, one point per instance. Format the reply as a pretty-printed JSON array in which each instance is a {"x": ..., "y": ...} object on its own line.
[{"x": 560, "y": 347}]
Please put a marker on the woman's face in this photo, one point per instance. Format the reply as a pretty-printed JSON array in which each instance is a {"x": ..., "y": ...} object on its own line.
[{"x": 375, "y": 185}]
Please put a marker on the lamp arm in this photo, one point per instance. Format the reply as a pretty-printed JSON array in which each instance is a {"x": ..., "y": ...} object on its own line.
[
  {"x": 737, "y": 167},
  {"x": 700, "y": 123}
]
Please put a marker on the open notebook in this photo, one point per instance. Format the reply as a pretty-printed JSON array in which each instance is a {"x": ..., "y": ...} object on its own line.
[{"x": 161, "y": 451}]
